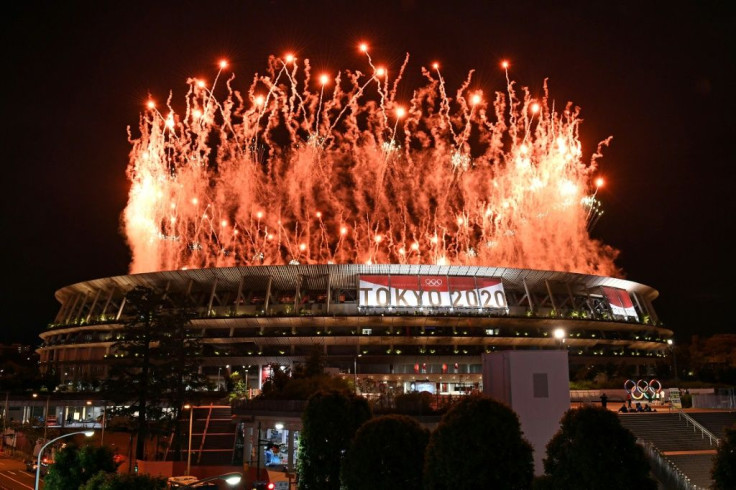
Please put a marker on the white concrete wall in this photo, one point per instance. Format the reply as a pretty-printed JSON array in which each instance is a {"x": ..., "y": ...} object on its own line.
[{"x": 509, "y": 377}]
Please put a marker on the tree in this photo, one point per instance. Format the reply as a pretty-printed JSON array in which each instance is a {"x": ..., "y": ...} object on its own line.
[
  {"x": 155, "y": 359},
  {"x": 314, "y": 364},
  {"x": 127, "y": 481},
  {"x": 329, "y": 423},
  {"x": 304, "y": 381},
  {"x": 478, "y": 444},
  {"x": 387, "y": 452},
  {"x": 724, "y": 463},
  {"x": 593, "y": 450},
  {"x": 74, "y": 466}
]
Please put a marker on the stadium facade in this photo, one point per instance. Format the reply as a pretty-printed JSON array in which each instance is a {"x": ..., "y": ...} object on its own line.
[{"x": 397, "y": 327}]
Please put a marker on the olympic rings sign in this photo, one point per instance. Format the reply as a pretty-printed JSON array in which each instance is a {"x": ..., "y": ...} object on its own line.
[
  {"x": 641, "y": 388},
  {"x": 433, "y": 282}
]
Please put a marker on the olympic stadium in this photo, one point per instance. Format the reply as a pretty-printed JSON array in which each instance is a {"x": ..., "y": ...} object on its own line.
[{"x": 407, "y": 327}]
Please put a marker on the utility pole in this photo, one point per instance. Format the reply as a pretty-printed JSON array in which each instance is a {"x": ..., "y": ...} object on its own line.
[
  {"x": 5, "y": 419},
  {"x": 46, "y": 417},
  {"x": 671, "y": 343},
  {"x": 104, "y": 416}
]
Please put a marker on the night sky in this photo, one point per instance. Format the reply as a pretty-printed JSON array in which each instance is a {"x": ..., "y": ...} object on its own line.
[{"x": 657, "y": 76}]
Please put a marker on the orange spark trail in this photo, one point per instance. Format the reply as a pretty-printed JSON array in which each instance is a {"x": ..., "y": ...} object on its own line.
[{"x": 297, "y": 170}]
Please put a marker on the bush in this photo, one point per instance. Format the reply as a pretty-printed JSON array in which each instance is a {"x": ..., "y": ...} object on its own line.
[
  {"x": 329, "y": 423},
  {"x": 478, "y": 444},
  {"x": 387, "y": 452},
  {"x": 414, "y": 403},
  {"x": 724, "y": 462},
  {"x": 116, "y": 481},
  {"x": 73, "y": 467},
  {"x": 593, "y": 450}
]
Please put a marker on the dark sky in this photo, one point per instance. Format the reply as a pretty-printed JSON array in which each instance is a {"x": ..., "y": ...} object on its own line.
[{"x": 657, "y": 76}]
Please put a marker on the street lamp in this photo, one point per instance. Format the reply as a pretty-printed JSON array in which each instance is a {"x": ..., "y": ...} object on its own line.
[
  {"x": 247, "y": 391},
  {"x": 559, "y": 334},
  {"x": 87, "y": 433},
  {"x": 189, "y": 445},
  {"x": 45, "y": 414},
  {"x": 355, "y": 374},
  {"x": 5, "y": 419},
  {"x": 231, "y": 479},
  {"x": 671, "y": 343},
  {"x": 104, "y": 421}
]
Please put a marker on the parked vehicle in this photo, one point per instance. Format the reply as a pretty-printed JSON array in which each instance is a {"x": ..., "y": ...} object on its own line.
[{"x": 45, "y": 462}]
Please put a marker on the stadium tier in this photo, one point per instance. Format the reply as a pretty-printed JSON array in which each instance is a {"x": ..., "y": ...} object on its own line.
[{"x": 400, "y": 326}]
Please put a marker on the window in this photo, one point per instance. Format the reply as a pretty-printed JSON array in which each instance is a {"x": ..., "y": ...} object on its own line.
[{"x": 541, "y": 387}]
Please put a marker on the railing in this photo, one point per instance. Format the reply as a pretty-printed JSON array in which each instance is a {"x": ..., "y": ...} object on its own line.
[
  {"x": 353, "y": 309},
  {"x": 696, "y": 425},
  {"x": 585, "y": 396},
  {"x": 269, "y": 405},
  {"x": 204, "y": 433},
  {"x": 667, "y": 472},
  {"x": 701, "y": 400}
]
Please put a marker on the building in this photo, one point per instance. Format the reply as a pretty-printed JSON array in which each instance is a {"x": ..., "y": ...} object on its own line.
[{"x": 390, "y": 327}]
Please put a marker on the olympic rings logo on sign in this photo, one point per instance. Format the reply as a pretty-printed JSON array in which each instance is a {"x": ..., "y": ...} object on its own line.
[
  {"x": 641, "y": 388},
  {"x": 433, "y": 282}
]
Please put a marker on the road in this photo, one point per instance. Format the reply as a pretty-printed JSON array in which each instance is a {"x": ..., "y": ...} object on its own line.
[{"x": 13, "y": 475}]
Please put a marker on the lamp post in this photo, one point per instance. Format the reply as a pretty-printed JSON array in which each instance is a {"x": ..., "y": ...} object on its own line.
[
  {"x": 671, "y": 343},
  {"x": 219, "y": 369},
  {"x": 104, "y": 421},
  {"x": 189, "y": 445},
  {"x": 45, "y": 414},
  {"x": 260, "y": 442},
  {"x": 247, "y": 391},
  {"x": 355, "y": 372},
  {"x": 560, "y": 334},
  {"x": 5, "y": 419},
  {"x": 231, "y": 479},
  {"x": 87, "y": 433}
]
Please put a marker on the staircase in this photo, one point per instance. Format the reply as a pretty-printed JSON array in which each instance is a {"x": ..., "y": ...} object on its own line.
[
  {"x": 213, "y": 437},
  {"x": 716, "y": 422},
  {"x": 682, "y": 447}
]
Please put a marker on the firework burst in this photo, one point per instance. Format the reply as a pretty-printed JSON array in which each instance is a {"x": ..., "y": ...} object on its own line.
[{"x": 305, "y": 168}]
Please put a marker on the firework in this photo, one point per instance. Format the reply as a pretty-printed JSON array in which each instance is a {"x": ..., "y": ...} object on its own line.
[{"x": 304, "y": 168}]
